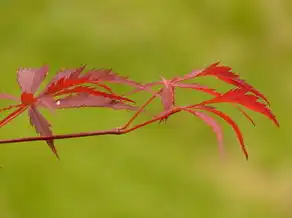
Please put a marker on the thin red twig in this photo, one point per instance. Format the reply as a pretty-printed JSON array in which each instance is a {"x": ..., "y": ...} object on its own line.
[
  {"x": 140, "y": 110},
  {"x": 117, "y": 131}
]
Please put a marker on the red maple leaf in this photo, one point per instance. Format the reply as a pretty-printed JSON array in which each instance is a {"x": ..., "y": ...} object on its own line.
[
  {"x": 245, "y": 95},
  {"x": 67, "y": 89}
]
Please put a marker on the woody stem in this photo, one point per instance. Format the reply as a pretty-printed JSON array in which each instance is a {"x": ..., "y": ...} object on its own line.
[{"x": 87, "y": 134}]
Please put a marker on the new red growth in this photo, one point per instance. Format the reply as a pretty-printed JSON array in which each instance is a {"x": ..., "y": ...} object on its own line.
[{"x": 74, "y": 88}]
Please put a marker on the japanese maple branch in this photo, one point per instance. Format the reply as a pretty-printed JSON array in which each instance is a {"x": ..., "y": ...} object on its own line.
[{"x": 116, "y": 131}]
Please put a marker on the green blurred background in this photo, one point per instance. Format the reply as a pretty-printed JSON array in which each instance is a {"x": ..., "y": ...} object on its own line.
[{"x": 172, "y": 170}]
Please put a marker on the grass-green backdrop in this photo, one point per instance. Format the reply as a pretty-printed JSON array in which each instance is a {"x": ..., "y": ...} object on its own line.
[{"x": 172, "y": 170}]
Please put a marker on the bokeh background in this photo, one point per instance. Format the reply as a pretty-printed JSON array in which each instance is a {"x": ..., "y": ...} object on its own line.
[{"x": 171, "y": 170}]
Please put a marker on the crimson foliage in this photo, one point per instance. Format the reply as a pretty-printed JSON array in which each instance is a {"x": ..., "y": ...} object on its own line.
[{"x": 77, "y": 88}]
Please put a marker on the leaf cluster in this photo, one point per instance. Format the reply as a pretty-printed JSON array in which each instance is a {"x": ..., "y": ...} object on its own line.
[{"x": 78, "y": 88}]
